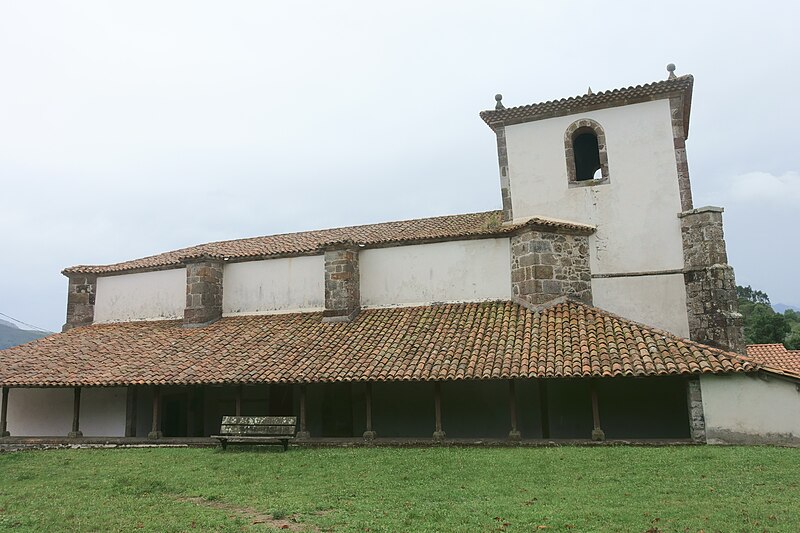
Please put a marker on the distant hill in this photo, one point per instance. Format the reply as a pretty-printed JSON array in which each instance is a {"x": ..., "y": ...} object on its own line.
[
  {"x": 780, "y": 308},
  {"x": 11, "y": 335}
]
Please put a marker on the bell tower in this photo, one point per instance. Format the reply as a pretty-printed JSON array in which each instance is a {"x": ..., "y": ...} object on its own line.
[{"x": 616, "y": 160}]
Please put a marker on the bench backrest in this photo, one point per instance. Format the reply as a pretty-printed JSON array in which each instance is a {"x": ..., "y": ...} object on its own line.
[{"x": 258, "y": 425}]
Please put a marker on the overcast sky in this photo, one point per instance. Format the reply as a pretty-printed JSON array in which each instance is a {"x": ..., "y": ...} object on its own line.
[{"x": 131, "y": 128}]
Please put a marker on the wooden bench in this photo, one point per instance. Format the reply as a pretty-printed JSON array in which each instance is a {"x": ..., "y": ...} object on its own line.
[{"x": 256, "y": 430}]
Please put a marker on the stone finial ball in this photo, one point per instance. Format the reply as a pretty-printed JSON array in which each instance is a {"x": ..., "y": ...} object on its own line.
[
  {"x": 498, "y": 97},
  {"x": 671, "y": 67}
]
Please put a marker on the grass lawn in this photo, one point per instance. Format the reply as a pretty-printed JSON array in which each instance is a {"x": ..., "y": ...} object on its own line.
[{"x": 384, "y": 489}]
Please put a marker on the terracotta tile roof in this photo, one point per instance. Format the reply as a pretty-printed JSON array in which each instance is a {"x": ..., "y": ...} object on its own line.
[
  {"x": 486, "y": 340},
  {"x": 775, "y": 357},
  {"x": 681, "y": 85},
  {"x": 473, "y": 225}
]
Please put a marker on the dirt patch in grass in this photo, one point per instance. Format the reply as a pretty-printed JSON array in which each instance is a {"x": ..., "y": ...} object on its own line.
[{"x": 287, "y": 522}]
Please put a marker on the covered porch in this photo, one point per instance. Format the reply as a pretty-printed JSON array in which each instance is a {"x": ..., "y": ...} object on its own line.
[
  {"x": 490, "y": 411},
  {"x": 496, "y": 371}
]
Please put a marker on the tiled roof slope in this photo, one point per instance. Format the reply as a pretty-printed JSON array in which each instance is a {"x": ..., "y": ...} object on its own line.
[
  {"x": 775, "y": 357},
  {"x": 486, "y": 340},
  {"x": 681, "y": 85},
  {"x": 422, "y": 229}
]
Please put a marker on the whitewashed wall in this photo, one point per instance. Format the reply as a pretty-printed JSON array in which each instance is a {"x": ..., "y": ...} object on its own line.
[
  {"x": 749, "y": 409},
  {"x": 48, "y": 412},
  {"x": 439, "y": 272},
  {"x": 635, "y": 213},
  {"x": 658, "y": 301},
  {"x": 141, "y": 296},
  {"x": 294, "y": 283}
]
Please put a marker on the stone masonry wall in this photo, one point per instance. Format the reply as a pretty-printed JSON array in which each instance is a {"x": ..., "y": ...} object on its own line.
[
  {"x": 711, "y": 300},
  {"x": 697, "y": 419},
  {"x": 80, "y": 300},
  {"x": 547, "y": 265},
  {"x": 505, "y": 181},
  {"x": 679, "y": 142},
  {"x": 203, "y": 292},
  {"x": 342, "y": 282}
]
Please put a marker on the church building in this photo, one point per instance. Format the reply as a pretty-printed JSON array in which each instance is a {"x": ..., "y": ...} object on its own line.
[{"x": 597, "y": 304}]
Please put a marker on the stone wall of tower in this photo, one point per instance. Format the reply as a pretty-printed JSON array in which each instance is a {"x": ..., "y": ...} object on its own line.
[
  {"x": 80, "y": 300},
  {"x": 545, "y": 266},
  {"x": 203, "y": 292},
  {"x": 711, "y": 300},
  {"x": 342, "y": 282}
]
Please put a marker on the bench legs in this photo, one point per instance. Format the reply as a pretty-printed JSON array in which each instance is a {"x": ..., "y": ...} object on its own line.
[{"x": 283, "y": 442}]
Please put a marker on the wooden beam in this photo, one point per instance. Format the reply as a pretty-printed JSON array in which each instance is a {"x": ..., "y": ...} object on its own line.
[
  {"x": 514, "y": 434},
  {"x": 155, "y": 432},
  {"x": 597, "y": 433},
  {"x": 4, "y": 415},
  {"x": 76, "y": 414},
  {"x": 438, "y": 434},
  {"x": 303, "y": 433},
  {"x": 369, "y": 434},
  {"x": 544, "y": 409}
]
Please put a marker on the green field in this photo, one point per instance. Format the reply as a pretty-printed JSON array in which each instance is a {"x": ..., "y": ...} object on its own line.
[{"x": 424, "y": 489}]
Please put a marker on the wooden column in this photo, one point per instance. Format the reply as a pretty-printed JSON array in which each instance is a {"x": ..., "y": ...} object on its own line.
[
  {"x": 597, "y": 433},
  {"x": 303, "y": 433},
  {"x": 155, "y": 432},
  {"x": 4, "y": 415},
  {"x": 239, "y": 399},
  {"x": 438, "y": 434},
  {"x": 369, "y": 434},
  {"x": 76, "y": 414},
  {"x": 544, "y": 409},
  {"x": 514, "y": 434},
  {"x": 190, "y": 411},
  {"x": 131, "y": 410}
]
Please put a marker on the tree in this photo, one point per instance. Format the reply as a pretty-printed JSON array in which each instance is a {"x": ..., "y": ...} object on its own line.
[
  {"x": 766, "y": 326},
  {"x": 762, "y": 325},
  {"x": 752, "y": 295},
  {"x": 793, "y": 341}
]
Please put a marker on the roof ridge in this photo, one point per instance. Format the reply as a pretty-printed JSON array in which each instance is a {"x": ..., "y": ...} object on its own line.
[
  {"x": 592, "y": 101},
  {"x": 767, "y": 344},
  {"x": 481, "y": 224},
  {"x": 187, "y": 249},
  {"x": 607, "y": 92}
]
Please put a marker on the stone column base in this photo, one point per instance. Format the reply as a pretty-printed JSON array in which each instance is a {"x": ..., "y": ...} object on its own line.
[
  {"x": 303, "y": 435},
  {"x": 598, "y": 434},
  {"x": 514, "y": 435},
  {"x": 369, "y": 436},
  {"x": 155, "y": 435},
  {"x": 74, "y": 434},
  {"x": 439, "y": 436},
  {"x": 5, "y": 434}
]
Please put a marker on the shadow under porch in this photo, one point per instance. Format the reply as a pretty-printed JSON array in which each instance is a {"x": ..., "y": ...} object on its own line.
[
  {"x": 408, "y": 413},
  {"x": 495, "y": 410}
]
